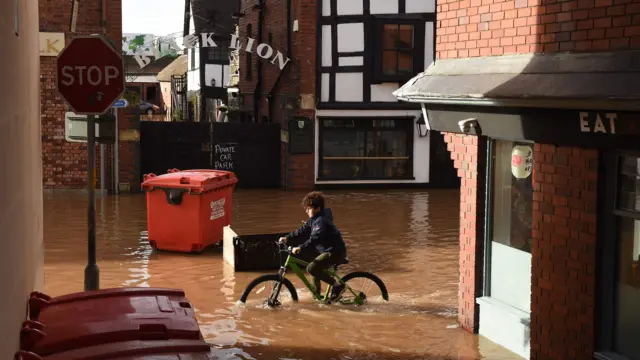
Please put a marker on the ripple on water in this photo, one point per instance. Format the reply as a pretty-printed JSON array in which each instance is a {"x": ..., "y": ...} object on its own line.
[{"x": 408, "y": 238}]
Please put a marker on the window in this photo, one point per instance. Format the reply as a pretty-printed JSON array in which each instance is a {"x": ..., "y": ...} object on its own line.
[
  {"x": 151, "y": 94},
  {"x": 366, "y": 149},
  {"x": 627, "y": 310},
  {"x": 249, "y": 58},
  {"x": 219, "y": 54},
  {"x": 621, "y": 278},
  {"x": 399, "y": 50},
  {"x": 193, "y": 58},
  {"x": 513, "y": 195},
  {"x": 510, "y": 229}
]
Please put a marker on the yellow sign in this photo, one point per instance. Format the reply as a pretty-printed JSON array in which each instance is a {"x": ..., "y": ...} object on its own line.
[
  {"x": 284, "y": 136},
  {"x": 129, "y": 135},
  {"x": 51, "y": 44}
]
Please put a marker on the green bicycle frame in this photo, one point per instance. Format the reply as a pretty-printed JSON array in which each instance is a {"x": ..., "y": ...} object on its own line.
[{"x": 298, "y": 267}]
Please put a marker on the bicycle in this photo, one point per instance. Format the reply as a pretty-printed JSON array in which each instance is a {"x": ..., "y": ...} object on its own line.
[{"x": 298, "y": 266}]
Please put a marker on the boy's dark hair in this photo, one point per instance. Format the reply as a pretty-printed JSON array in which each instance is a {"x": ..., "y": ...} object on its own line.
[{"x": 314, "y": 199}]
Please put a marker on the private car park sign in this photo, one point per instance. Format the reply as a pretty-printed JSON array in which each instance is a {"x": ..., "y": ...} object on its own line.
[{"x": 90, "y": 77}]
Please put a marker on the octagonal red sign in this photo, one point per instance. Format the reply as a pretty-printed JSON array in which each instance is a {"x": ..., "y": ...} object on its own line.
[{"x": 90, "y": 75}]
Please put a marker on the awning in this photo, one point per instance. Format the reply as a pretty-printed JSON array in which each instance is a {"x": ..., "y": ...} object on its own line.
[{"x": 598, "y": 81}]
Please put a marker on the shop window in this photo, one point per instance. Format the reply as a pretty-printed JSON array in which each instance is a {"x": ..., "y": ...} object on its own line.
[
  {"x": 513, "y": 195},
  {"x": 628, "y": 292},
  {"x": 624, "y": 306},
  {"x": 510, "y": 224},
  {"x": 399, "y": 50},
  {"x": 366, "y": 149}
]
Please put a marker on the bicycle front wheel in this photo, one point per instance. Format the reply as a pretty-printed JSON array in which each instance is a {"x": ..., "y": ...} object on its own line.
[
  {"x": 364, "y": 287},
  {"x": 271, "y": 289}
]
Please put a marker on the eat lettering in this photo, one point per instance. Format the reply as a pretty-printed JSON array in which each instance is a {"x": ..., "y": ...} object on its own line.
[{"x": 599, "y": 126}]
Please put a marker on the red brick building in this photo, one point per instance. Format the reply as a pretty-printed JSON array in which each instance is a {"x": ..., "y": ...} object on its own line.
[
  {"x": 539, "y": 100},
  {"x": 268, "y": 93},
  {"x": 65, "y": 163}
]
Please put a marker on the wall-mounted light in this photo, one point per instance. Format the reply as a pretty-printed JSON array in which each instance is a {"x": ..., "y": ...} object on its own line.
[
  {"x": 420, "y": 123},
  {"x": 237, "y": 15}
]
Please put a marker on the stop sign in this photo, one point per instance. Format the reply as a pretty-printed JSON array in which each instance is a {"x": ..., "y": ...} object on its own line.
[{"x": 90, "y": 75}]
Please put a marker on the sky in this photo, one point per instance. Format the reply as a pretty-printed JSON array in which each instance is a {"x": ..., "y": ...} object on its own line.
[{"x": 157, "y": 17}]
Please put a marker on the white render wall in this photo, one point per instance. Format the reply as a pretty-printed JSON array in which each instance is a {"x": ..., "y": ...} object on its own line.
[{"x": 21, "y": 248}]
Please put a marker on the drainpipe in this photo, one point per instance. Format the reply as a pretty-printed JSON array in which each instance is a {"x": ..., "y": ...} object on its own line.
[
  {"x": 276, "y": 84},
  {"x": 103, "y": 11},
  {"x": 257, "y": 92}
]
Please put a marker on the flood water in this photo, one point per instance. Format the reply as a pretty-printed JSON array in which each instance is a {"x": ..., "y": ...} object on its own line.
[{"x": 408, "y": 238}]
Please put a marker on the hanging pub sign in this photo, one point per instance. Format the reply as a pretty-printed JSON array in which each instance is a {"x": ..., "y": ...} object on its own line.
[
  {"x": 205, "y": 40},
  {"x": 521, "y": 161}
]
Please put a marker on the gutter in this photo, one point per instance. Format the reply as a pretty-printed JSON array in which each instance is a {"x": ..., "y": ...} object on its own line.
[
  {"x": 257, "y": 91},
  {"x": 571, "y": 104}
]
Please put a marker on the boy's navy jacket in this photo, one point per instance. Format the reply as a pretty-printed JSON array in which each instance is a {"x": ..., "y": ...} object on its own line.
[{"x": 323, "y": 234}]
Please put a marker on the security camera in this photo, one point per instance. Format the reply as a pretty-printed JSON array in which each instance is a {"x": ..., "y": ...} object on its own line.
[{"x": 467, "y": 124}]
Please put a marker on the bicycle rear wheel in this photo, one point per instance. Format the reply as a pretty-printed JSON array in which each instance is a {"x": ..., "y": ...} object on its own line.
[
  {"x": 365, "y": 287},
  {"x": 271, "y": 289}
]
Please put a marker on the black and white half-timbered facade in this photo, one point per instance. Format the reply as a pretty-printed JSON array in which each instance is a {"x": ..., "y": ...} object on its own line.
[{"x": 366, "y": 49}]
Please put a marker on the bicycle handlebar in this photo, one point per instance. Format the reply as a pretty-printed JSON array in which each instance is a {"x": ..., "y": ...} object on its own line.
[{"x": 283, "y": 247}]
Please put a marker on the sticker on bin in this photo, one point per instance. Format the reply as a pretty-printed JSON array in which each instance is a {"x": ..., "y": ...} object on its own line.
[{"x": 217, "y": 209}]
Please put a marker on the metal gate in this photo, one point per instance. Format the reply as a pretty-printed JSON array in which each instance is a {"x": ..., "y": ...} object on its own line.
[{"x": 252, "y": 151}]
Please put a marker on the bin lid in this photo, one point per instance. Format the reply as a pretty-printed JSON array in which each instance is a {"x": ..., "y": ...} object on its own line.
[
  {"x": 195, "y": 181},
  {"x": 106, "y": 316}
]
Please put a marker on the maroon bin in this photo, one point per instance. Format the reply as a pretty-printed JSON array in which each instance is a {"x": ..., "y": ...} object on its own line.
[
  {"x": 130, "y": 350},
  {"x": 142, "y": 317}
]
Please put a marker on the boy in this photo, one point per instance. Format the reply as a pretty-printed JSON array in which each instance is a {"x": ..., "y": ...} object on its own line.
[{"x": 326, "y": 238}]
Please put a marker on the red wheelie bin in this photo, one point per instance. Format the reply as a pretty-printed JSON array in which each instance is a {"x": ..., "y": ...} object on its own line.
[
  {"x": 187, "y": 210},
  {"x": 122, "y": 323}
]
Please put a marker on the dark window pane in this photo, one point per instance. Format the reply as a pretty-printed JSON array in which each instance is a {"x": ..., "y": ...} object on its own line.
[
  {"x": 338, "y": 123},
  {"x": 405, "y": 37},
  {"x": 389, "y": 36},
  {"x": 390, "y": 62},
  {"x": 629, "y": 184},
  {"x": 343, "y": 169},
  {"x": 387, "y": 144},
  {"x": 405, "y": 63},
  {"x": 219, "y": 53},
  {"x": 381, "y": 169},
  {"x": 340, "y": 143},
  {"x": 389, "y": 124},
  {"x": 628, "y": 311}
]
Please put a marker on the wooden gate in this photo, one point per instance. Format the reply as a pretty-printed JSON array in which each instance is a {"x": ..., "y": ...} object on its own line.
[{"x": 251, "y": 151}]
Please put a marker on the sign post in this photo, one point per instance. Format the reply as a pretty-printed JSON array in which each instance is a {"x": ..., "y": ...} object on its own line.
[
  {"x": 90, "y": 77},
  {"x": 122, "y": 103}
]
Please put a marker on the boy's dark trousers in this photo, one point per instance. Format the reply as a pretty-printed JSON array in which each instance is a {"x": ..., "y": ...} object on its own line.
[{"x": 317, "y": 266}]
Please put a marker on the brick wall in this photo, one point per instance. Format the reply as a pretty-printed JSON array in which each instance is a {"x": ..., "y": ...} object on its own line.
[
  {"x": 468, "y": 154},
  {"x": 563, "y": 253},
  {"x": 298, "y": 77},
  {"x": 468, "y": 28},
  {"x": 64, "y": 163}
]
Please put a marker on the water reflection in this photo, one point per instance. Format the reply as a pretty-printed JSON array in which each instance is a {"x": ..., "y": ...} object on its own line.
[{"x": 408, "y": 238}]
